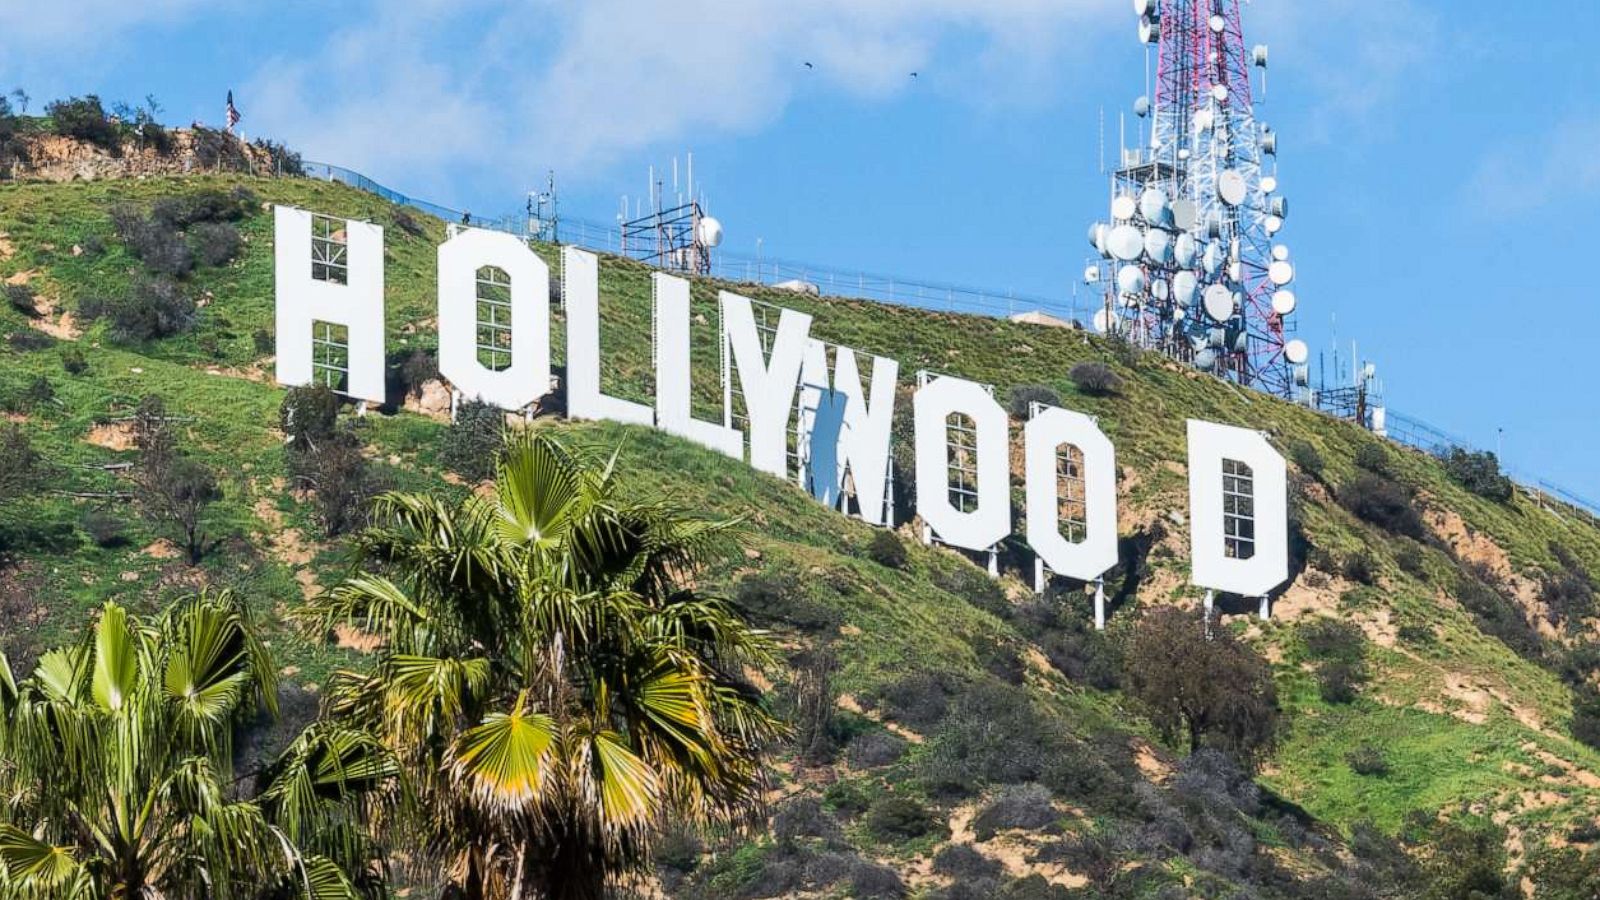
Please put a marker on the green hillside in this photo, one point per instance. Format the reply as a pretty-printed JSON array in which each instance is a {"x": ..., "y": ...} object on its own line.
[{"x": 968, "y": 714}]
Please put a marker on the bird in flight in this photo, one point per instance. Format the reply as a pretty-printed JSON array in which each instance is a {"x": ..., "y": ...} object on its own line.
[
  {"x": 913, "y": 74},
  {"x": 810, "y": 66}
]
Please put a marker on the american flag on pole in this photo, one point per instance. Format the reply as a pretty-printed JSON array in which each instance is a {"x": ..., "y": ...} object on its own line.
[{"x": 232, "y": 114}]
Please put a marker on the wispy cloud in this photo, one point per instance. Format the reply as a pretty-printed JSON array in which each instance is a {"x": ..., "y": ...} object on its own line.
[
  {"x": 42, "y": 25},
  {"x": 1560, "y": 169}
]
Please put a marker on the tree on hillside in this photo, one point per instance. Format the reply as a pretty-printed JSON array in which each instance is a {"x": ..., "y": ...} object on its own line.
[
  {"x": 550, "y": 679},
  {"x": 1200, "y": 683},
  {"x": 116, "y": 764},
  {"x": 173, "y": 489}
]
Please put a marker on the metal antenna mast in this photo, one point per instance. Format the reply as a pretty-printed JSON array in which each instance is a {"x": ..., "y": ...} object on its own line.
[{"x": 1188, "y": 264}]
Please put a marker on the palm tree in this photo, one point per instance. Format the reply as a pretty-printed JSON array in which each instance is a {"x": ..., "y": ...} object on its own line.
[
  {"x": 550, "y": 679},
  {"x": 117, "y": 776}
]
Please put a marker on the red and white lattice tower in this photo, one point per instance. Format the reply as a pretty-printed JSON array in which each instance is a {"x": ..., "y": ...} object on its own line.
[{"x": 1188, "y": 264}]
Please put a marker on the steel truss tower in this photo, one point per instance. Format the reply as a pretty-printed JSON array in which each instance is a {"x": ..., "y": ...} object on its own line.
[{"x": 1188, "y": 264}]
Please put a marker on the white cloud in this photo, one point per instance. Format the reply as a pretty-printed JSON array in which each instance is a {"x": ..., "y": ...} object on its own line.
[
  {"x": 41, "y": 24},
  {"x": 539, "y": 83},
  {"x": 1561, "y": 169}
]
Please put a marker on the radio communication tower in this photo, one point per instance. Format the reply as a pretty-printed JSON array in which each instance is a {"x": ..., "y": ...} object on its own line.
[{"x": 1188, "y": 263}]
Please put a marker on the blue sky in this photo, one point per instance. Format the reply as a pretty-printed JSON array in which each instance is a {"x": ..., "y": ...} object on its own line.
[{"x": 1442, "y": 158}]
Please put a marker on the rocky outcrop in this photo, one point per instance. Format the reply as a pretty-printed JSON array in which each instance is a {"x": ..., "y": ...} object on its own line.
[{"x": 52, "y": 157}]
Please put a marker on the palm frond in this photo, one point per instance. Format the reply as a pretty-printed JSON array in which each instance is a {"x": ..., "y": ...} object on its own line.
[{"x": 506, "y": 760}]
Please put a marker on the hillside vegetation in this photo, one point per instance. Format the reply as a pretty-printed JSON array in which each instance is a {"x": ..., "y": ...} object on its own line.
[{"x": 955, "y": 735}]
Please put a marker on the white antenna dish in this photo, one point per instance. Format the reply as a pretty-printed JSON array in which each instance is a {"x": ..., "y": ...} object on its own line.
[
  {"x": 1123, "y": 207},
  {"x": 1231, "y": 187},
  {"x": 709, "y": 232},
  {"x": 1217, "y": 337},
  {"x": 1097, "y": 235},
  {"x": 1205, "y": 359},
  {"x": 1102, "y": 320},
  {"x": 1153, "y": 206},
  {"x": 1144, "y": 7},
  {"x": 1218, "y": 301},
  {"x": 1283, "y": 302},
  {"x": 1158, "y": 246},
  {"x": 1184, "y": 284},
  {"x": 1184, "y": 250},
  {"x": 1369, "y": 370},
  {"x": 1125, "y": 243},
  {"x": 1091, "y": 274},
  {"x": 1218, "y": 23},
  {"x": 1269, "y": 143},
  {"x": 1280, "y": 273},
  {"x": 1183, "y": 153},
  {"x": 1278, "y": 206},
  {"x": 1259, "y": 55},
  {"x": 1280, "y": 252},
  {"x": 1141, "y": 107},
  {"x": 1296, "y": 352},
  {"x": 1177, "y": 314},
  {"x": 1149, "y": 31},
  {"x": 1236, "y": 270},
  {"x": 1184, "y": 212},
  {"x": 1159, "y": 289},
  {"x": 1211, "y": 259},
  {"x": 1269, "y": 183},
  {"x": 1219, "y": 93},
  {"x": 1130, "y": 279},
  {"x": 1273, "y": 224},
  {"x": 1203, "y": 120}
]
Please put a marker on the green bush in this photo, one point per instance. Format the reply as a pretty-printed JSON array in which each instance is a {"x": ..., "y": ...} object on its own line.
[
  {"x": 1478, "y": 473},
  {"x": 886, "y": 549},
  {"x": 21, "y": 298},
  {"x": 471, "y": 445},
  {"x": 1023, "y": 396},
  {"x": 1306, "y": 456},
  {"x": 216, "y": 243},
  {"x": 1374, "y": 458},
  {"x": 308, "y": 416},
  {"x": 895, "y": 820},
  {"x": 85, "y": 118},
  {"x": 1375, "y": 499},
  {"x": 1586, "y": 716},
  {"x": 73, "y": 361},
  {"x": 1367, "y": 760},
  {"x": 1095, "y": 379}
]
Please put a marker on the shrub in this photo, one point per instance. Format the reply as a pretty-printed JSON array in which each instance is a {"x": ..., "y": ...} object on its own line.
[
  {"x": 677, "y": 849},
  {"x": 176, "y": 492},
  {"x": 1095, "y": 379},
  {"x": 918, "y": 701},
  {"x": 874, "y": 881},
  {"x": 471, "y": 445},
  {"x": 1367, "y": 760},
  {"x": 21, "y": 298},
  {"x": 848, "y": 798},
  {"x": 152, "y": 308},
  {"x": 155, "y": 242},
  {"x": 963, "y": 863},
  {"x": 419, "y": 367},
  {"x": 1499, "y": 616},
  {"x": 1568, "y": 595},
  {"x": 1024, "y": 806},
  {"x": 875, "y": 749},
  {"x": 264, "y": 342},
  {"x": 406, "y": 222},
  {"x": 309, "y": 415},
  {"x": 779, "y": 597},
  {"x": 1414, "y": 633},
  {"x": 1333, "y": 639},
  {"x": 208, "y": 205},
  {"x": 73, "y": 361},
  {"x": 105, "y": 529},
  {"x": 992, "y": 735},
  {"x": 20, "y": 464},
  {"x": 1411, "y": 560},
  {"x": 1337, "y": 681},
  {"x": 1478, "y": 473},
  {"x": 1374, "y": 458},
  {"x": 894, "y": 820},
  {"x": 1586, "y": 716},
  {"x": 1201, "y": 683},
  {"x": 804, "y": 818},
  {"x": 26, "y": 340},
  {"x": 85, "y": 118},
  {"x": 1360, "y": 567},
  {"x": 216, "y": 243},
  {"x": 1023, "y": 396},
  {"x": 342, "y": 480},
  {"x": 812, "y": 696},
  {"x": 886, "y": 549},
  {"x": 1306, "y": 456},
  {"x": 1376, "y": 499}
]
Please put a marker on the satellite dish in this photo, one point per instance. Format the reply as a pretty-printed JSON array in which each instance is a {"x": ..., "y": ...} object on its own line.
[
  {"x": 1177, "y": 314},
  {"x": 1097, "y": 236},
  {"x": 1278, "y": 206},
  {"x": 1130, "y": 279},
  {"x": 1219, "y": 93},
  {"x": 1258, "y": 55},
  {"x": 1283, "y": 302},
  {"x": 1218, "y": 23},
  {"x": 1302, "y": 375},
  {"x": 1218, "y": 301},
  {"x": 1273, "y": 224},
  {"x": 1203, "y": 120},
  {"x": 1231, "y": 187},
  {"x": 1102, "y": 320},
  {"x": 1217, "y": 337},
  {"x": 1205, "y": 359},
  {"x": 1281, "y": 273},
  {"x": 1236, "y": 270},
  {"x": 1369, "y": 370},
  {"x": 1184, "y": 213},
  {"x": 1158, "y": 246},
  {"x": 1269, "y": 184},
  {"x": 1153, "y": 205},
  {"x": 1149, "y": 31},
  {"x": 1183, "y": 153},
  {"x": 1211, "y": 260},
  {"x": 1296, "y": 352},
  {"x": 1158, "y": 289},
  {"x": 1280, "y": 252},
  {"x": 1241, "y": 341},
  {"x": 1091, "y": 274},
  {"x": 709, "y": 232},
  {"x": 1143, "y": 7},
  {"x": 1123, "y": 207},
  {"x": 1184, "y": 284},
  {"x": 1141, "y": 107},
  {"x": 1125, "y": 243},
  {"x": 1269, "y": 143},
  {"x": 1184, "y": 250}
]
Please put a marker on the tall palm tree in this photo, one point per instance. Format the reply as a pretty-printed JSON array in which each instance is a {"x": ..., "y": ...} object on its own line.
[
  {"x": 116, "y": 771},
  {"x": 550, "y": 679}
]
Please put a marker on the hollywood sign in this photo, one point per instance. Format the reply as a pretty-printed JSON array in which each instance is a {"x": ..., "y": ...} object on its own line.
[{"x": 329, "y": 277}]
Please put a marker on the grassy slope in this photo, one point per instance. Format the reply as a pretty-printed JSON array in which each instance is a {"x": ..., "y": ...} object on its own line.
[{"x": 1447, "y": 744}]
